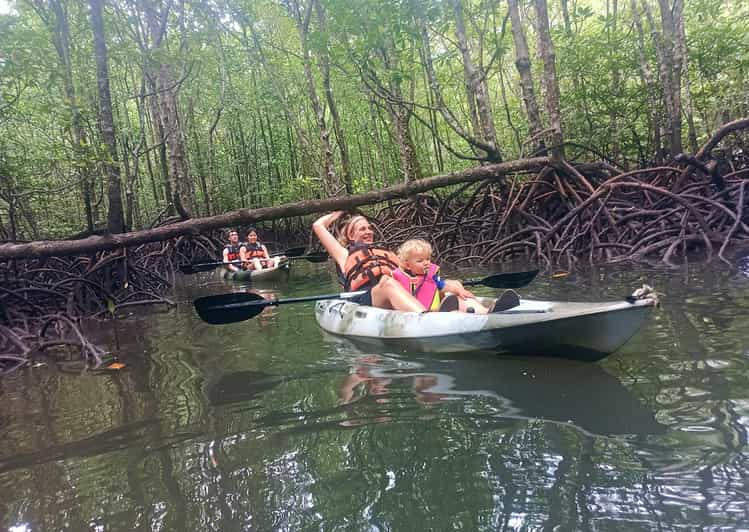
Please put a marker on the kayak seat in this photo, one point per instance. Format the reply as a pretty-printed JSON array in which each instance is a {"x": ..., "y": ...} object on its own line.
[
  {"x": 450, "y": 303},
  {"x": 509, "y": 299}
]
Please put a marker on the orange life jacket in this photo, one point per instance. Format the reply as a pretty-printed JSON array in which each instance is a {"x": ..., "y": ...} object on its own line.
[
  {"x": 254, "y": 251},
  {"x": 365, "y": 266}
]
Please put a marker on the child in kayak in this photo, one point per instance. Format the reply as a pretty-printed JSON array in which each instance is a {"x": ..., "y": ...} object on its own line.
[{"x": 420, "y": 277}]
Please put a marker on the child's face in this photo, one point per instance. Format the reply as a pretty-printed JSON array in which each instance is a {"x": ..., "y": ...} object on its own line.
[{"x": 419, "y": 262}]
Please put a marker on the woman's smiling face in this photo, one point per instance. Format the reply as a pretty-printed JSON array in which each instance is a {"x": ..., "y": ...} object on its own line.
[{"x": 361, "y": 231}]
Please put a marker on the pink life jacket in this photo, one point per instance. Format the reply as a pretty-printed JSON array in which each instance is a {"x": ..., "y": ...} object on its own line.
[{"x": 422, "y": 287}]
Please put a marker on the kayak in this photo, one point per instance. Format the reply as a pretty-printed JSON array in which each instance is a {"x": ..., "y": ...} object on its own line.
[
  {"x": 581, "y": 331},
  {"x": 266, "y": 274}
]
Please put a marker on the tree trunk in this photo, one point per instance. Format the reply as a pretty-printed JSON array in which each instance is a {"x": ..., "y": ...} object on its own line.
[
  {"x": 523, "y": 64},
  {"x": 174, "y": 138},
  {"x": 655, "y": 129},
  {"x": 252, "y": 216},
  {"x": 200, "y": 160},
  {"x": 400, "y": 116},
  {"x": 682, "y": 45},
  {"x": 80, "y": 140},
  {"x": 474, "y": 141},
  {"x": 432, "y": 114},
  {"x": 115, "y": 217},
  {"x": 612, "y": 14},
  {"x": 477, "y": 92},
  {"x": 328, "y": 173},
  {"x": 549, "y": 80},
  {"x": 670, "y": 73},
  {"x": 158, "y": 134},
  {"x": 337, "y": 127},
  {"x": 165, "y": 92},
  {"x": 279, "y": 93}
]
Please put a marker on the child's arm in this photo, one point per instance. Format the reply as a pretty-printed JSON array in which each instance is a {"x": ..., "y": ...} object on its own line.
[{"x": 457, "y": 288}]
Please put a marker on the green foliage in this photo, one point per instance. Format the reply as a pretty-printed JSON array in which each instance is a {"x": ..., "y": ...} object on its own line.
[{"x": 244, "y": 104}]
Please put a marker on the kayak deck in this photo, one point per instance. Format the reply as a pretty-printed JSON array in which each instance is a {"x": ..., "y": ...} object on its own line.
[
  {"x": 582, "y": 331},
  {"x": 266, "y": 274}
]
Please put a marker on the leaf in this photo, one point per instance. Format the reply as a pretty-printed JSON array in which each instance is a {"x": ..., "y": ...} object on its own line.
[
  {"x": 559, "y": 275},
  {"x": 116, "y": 365},
  {"x": 111, "y": 306}
]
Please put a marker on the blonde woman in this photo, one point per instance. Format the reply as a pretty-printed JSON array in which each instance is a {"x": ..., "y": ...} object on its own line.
[{"x": 363, "y": 266}]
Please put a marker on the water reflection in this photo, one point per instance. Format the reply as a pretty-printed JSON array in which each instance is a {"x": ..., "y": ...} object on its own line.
[
  {"x": 576, "y": 394},
  {"x": 743, "y": 265},
  {"x": 241, "y": 386},
  {"x": 268, "y": 425}
]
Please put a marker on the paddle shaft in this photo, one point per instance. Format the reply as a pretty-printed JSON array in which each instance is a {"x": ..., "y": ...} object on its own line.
[
  {"x": 504, "y": 280},
  {"x": 207, "y": 266},
  {"x": 276, "y": 302},
  {"x": 230, "y": 308}
]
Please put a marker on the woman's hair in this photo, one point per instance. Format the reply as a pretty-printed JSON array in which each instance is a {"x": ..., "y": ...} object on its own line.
[
  {"x": 415, "y": 245},
  {"x": 251, "y": 230},
  {"x": 344, "y": 235}
]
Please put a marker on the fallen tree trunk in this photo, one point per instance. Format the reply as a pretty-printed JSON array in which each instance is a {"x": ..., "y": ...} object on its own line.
[{"x": 58, "y": 248}]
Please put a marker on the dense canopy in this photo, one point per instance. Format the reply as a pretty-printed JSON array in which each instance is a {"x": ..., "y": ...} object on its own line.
[{"x": 220, "y": 105}]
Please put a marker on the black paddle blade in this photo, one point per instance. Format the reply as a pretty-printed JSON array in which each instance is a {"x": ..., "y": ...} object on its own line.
[
  {"x": 229, "y": 308},
  {"x": 505, "y": 280},
  {"x": 295, "y": 252},
  {"x": 316, "y": 257}
]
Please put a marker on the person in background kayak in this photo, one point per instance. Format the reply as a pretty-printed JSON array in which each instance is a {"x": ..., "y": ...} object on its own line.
[
  {"x": 254, "y": 255},
  {"x": 232, "y": 252},
  {"x": 363, "y": 266},
  {"x": 421, "y": 277}
]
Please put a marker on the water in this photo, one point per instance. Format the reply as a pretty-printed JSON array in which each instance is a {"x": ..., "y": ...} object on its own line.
[{"x": 269, "y": 424}]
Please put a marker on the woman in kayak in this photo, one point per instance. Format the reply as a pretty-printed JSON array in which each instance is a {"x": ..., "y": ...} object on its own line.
[
  {"x": 255, "y": 255},
  {"x": 363, "y": 266}
]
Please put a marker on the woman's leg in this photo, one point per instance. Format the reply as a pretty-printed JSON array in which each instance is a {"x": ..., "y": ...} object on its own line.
[{"x": 390, "y": 294}]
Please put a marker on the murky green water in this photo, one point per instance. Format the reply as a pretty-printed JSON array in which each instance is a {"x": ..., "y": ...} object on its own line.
[{"x": 269, "y": 425}]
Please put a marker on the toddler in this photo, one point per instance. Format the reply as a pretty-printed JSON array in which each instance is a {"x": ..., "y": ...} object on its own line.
[{"x": 420, "y": 276}]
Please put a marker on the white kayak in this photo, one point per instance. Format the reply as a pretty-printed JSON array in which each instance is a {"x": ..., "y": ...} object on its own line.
[
  {"x": 582, "y": 331},
  {"x": 266, "y": 274}
]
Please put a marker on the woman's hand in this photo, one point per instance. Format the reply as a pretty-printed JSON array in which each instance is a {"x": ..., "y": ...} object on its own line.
[
  {"x": 321, "y": 229},
  {"x": 328, "y": 219}
]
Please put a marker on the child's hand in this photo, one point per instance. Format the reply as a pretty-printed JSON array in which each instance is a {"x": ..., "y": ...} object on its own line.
[
  {"x": 464, "y": 293},
  {"x": 457, "y": 288}
]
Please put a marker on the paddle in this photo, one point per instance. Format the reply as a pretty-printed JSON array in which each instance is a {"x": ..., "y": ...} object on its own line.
[
  {"x": 189, "y": 269},
  {"x": 230, "y": 308},
  {"x": 504, "y": 280},
  {"x": 292, "y": 252}
]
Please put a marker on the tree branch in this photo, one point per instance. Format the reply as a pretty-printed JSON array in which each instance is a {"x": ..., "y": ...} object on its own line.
[{"x": 48, "y": 248}]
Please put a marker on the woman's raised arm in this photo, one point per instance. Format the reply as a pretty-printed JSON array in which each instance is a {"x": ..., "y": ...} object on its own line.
[{"x": 321, "y": 227}]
